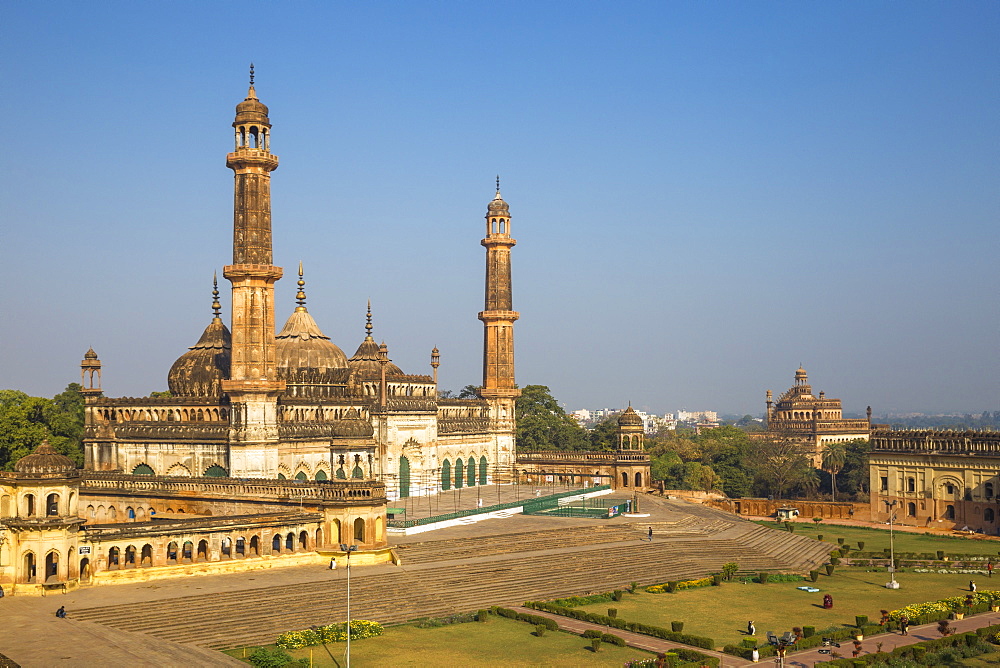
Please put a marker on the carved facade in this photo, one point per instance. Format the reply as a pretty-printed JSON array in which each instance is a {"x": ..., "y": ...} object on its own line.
[
  {"x": 815, "y": 421},
  {"x": 947, "y": 479},
  {"x": 247, "y": 402}
]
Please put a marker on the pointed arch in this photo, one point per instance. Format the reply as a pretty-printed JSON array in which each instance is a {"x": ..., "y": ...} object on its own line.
[
  {"x": 404, "y": 477},
  {"x": 216, "y": 471},
  {"x": 143, "y": 469},
  {"x": 459, "y": 473},
  {"x": 446, "y": 475},
  {"x": 179, "y": 471},
  {"x": 483, "y": 466}
]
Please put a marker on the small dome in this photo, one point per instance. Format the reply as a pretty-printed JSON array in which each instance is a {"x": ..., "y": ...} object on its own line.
[
  {"x": 498, "y": 207},
  {"x": 301, "y": 347},
  {"x": 44, "y": 459},
  {"x": 251, "y": 110},
  {"x": 366, "y": 362},
  {"x": 90, "y": 355},
  {"x": 200, "y": 371},
  {"x": 352, "y": 426},
  {"x": 629, "y": 418}
]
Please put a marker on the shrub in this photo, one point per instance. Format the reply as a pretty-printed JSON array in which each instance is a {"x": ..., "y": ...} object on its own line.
[
  {"x": 835, "y": 561},
  {"x": 789, "y": 527},
  {"x": 613, "y": 639},
  {"x": 617, "y": 595},
  {"x": 672, "y": 587},
  {"x": 540, "y": 630},
  {"x": 717, "y": 579},
  {"x": 813, "y": 576},
  {"x": 819, "y": 537},
  {"x": 265, "y": 658},
  {"x": 595, "y": 644},
  {"x": 817, "y": 520},
  {"x": 835, "y": 554},
  {"x": 677, "y": 627},
  {"x": 840, "y": 541},
  {"x": 591, "y": 633},
  {"x": 860, "y": 620},
  {"x": 940, "y": 555},
  {"x": 829, "y": 569},
  {"x": 763, "y": 577},
  {"x": 861, "y": 544},
  {"x": 482, "y": 615},
  {"x": 808, "y": 631},
  {"x": 612, "y": 612},
  {"x": 633, "y": 587},
  {"x": 729, "y": 569}
]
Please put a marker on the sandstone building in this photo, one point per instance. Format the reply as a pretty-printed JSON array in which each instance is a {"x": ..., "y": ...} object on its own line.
[
  {"x": 940, "y": 478},
  {"x": 814, "y": 420}
]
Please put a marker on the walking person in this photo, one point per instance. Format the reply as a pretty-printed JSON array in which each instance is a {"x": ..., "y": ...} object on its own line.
[
  {"x": 751, "y": 629},
  {"x": 989, "y": 569},
  {"x": 972, "y": 585},
  {"x": 904, "y": 626},
  {"x": 649, "y": 534}
]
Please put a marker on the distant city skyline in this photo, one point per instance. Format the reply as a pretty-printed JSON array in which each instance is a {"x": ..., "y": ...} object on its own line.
[{"x": 705, "y": 195}]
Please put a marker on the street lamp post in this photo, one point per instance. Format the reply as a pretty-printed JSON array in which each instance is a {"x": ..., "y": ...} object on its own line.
[
  {"x": 891, "y": 584},
  {"x": 348, "y": 549}
]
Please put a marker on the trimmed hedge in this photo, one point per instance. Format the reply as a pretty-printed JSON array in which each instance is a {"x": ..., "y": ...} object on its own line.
[
  {"x": 550, "y": 624},
  {"x": 918, "y": 653},
  {"x": 635, "y": 627}
]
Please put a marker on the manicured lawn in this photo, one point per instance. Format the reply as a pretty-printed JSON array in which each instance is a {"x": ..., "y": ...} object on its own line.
[
  {"x": 878, "y": 539},
  {"x": 721, "y": 613},
  {"x": 497, "y": 642}
]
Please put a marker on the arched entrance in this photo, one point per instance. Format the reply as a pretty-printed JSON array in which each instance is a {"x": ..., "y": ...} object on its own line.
[
  {"x": 638, "y": 479},
  {"x": 446, "y": 475},
  {"x": 404, "y": 477},
  {"x": 482, "y": 470},
  {"x": 29, "y": 567},
  {"x": 359, "y": 530},
  {"x": 85, "y": 569},
  {"x": 459, "y": 473},
  {"x": 52, "y": 567},
  {"x": 471, "y": 472},
  {"x": 624, "y": 478}
]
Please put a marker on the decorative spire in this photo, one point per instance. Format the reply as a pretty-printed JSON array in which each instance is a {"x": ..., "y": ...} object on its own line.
[
  {"x": 300, "y": 298},
  {"x": 498, "y": 188},
  {"x": 216, "y": 306},
  {"x": 251, "y": 74},
  {"x": 368, "y": 325}
]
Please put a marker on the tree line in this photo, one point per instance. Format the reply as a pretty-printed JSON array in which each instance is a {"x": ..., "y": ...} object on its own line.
[{"x": 26, "y": 421}]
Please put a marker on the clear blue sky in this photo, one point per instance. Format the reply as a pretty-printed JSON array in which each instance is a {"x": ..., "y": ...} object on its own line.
[{"x": 705, "y": 195}]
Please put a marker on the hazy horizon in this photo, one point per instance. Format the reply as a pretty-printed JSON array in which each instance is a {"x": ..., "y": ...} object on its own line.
[{"x": 705, "y": 195}]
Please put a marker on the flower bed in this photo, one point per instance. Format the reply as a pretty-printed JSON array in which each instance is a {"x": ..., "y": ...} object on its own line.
[
  {"x": 939, "y": 651},
  {"x": 360, "y": 628}
]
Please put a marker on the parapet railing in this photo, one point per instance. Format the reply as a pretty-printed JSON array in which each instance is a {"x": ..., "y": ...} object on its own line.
[
  {"x": 581, "y": 457},
  {"x": 329, "y": 490},
  {"x": 551, "y": 498}
]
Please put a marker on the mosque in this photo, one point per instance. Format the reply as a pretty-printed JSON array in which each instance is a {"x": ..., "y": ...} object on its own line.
[{"x": 269, "y": 445}]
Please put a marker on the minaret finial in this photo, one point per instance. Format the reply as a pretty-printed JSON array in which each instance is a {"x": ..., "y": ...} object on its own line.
[
  {"x": 300, "y": 298},
  {"x": 368, "y": 324},
  {"x": 498, "y": 185},
  {"x": 216, "y": 306},
  {"x": 251, "y": 74}
]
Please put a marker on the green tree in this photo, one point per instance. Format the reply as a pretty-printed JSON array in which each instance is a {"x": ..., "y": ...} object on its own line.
[
  {"x": 854, "y": 474},
  {"x": 779, "y": 463},
  {"x": 542, "y": 424},
  {"x": 604, "y": 436},
  {"x": 469, "y": 392},
  {"x": 834, "y": 456},
  {"x": 26, "y": 421}
]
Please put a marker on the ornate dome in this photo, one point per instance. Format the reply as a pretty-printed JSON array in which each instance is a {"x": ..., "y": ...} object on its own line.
[
  {"x": 304, "y": 353},
  {"x": 44, "y": 459},
  {"x": 200, "y": 371},
  {"x": 90, "y": 355},
  {"x": 251, "y": 110},
  {"x": 498, "y": 207},
  {"x": 629, "y": 418},
  {"x": 366, "y": 362},
  {"x": 352, "y": 426},
  {"x": 301, "y": 346}
]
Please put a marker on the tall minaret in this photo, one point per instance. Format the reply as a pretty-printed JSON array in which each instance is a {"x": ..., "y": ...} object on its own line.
[
  {"x": 253, "y": 386},
  {"x": 499, "y": 389}
]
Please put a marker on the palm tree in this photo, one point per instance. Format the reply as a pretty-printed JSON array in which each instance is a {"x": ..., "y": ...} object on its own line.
[{"x": 834, "y": 457}]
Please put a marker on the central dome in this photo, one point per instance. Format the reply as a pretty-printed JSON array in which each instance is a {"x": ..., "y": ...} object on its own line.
[
  {"x": 45, "y": 459},
  {"x": 301, "y": 347}
]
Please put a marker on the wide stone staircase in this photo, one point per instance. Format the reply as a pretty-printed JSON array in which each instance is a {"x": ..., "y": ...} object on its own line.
[{"x": 442, "y": 577}]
